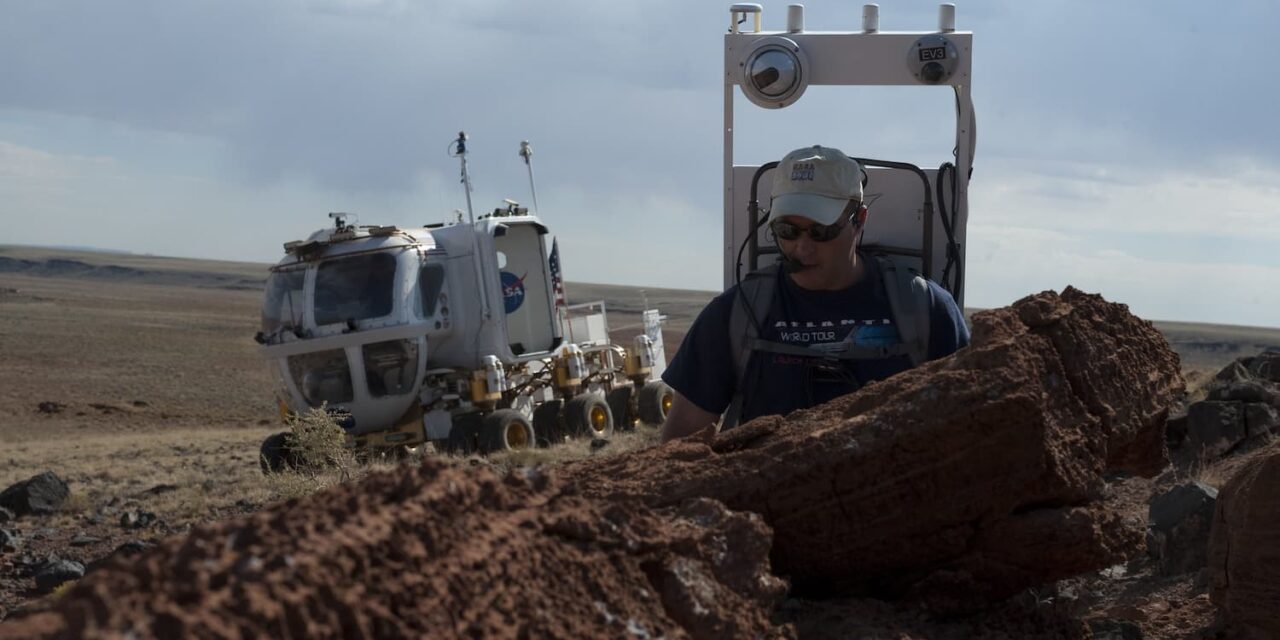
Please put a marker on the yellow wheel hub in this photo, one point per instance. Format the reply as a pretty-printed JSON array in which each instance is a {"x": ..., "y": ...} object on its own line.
[
  {"x": 598, "y": 418},
  {"x": 666, "y": 404},
  {"x": 517, "y": 435}
]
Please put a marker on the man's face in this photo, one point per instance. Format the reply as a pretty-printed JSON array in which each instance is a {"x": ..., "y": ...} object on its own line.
[{"x": 824, "y": 257}]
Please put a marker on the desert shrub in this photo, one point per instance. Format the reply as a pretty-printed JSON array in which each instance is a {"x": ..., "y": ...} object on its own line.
[
  {"x": 319, "y": 444},
  {"x": 318, "y": 456}
]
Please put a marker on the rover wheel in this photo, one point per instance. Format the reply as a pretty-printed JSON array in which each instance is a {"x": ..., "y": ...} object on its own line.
[
  {"x": 506, "y": 430},
  {"x": 546, "y": 423},
  {"x": 655, "y": 402},
  {"x": 624, "y": 417},
  {"x": 463, "y": 435},
  {"x": 276, "y": 454},
  {"x": 588, "y": 416}
]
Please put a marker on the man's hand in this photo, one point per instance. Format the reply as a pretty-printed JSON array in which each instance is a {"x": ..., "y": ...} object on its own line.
[{"x": 685, "y": 418}]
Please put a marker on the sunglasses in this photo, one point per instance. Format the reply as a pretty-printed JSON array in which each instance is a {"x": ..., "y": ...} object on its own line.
[{"x": 816, "y": 232}]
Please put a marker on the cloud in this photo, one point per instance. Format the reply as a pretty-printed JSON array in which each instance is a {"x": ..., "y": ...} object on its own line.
[
  {"x": 1120, "y": 135},
  {"x": 1235, "y": 205},
  {"x": 1008, "y": 262},
  {"x": 30, "y": 167}
]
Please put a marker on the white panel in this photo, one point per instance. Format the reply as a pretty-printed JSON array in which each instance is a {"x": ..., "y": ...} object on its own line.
[
  {"x": 852, "y": 58},
  {"x": 531, "y": 322}
]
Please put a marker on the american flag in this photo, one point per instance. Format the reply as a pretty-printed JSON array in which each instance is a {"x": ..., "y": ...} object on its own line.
[{"x": 557, "y": 281}]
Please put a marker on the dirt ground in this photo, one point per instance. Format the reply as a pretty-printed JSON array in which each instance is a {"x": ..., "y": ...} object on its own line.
[{"x": 135, "y": 379}]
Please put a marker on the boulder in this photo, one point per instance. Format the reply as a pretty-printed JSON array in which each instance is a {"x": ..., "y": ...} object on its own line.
[
  {"x": 1260, "y": 419},
  {"x": 1246, "y": 391},
  {"x": 55, "y": 573},
  {"x": 1178, "y": 527},
  {"x": 1213, "y": 429},
  {"x": 10, "y": 541},
  {"x": 137, "y": 519},
  {"x": 1244, "y": 548},
  {"x": 967, "y": 479},
  {"x": 41, "y": 495}
]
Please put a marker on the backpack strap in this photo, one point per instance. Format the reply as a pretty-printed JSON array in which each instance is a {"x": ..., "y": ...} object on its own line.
[
  {"x": 750, "y": 307},
  {"x": 910, "y": 302}
]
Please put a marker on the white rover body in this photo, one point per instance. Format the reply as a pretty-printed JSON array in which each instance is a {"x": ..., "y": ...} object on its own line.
[{"x": 450, "y": 334}]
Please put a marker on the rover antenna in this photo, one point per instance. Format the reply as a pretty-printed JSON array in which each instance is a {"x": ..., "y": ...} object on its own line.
[
  {"x": 526, "y": 152},
  {"x": 460, "y": 150}
]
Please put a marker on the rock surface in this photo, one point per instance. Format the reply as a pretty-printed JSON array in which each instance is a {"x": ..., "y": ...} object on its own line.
[
  {"x": 53, "y": 574},
  {"x": 438, "y": 551},
  {"x": 40, "y": 495},
  {"x": 1179, "y": 521},
  {"x": 961, "y": 481},
  {"x": 1244, "y": 547},
  {"x": 1240, "y": 412}
]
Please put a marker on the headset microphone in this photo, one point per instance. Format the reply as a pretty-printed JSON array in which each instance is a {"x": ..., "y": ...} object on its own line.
[{"x": 791, "y": 264}]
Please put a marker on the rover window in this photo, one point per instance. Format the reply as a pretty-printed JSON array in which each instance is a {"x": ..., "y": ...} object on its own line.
[
  {"x": 430, "y": 282},
  {"x": 283, "y": 307},
  {"x": 355, "y": 288},
  {"x": 390, "y": 367},
  {"x": 322, "y": 376}
]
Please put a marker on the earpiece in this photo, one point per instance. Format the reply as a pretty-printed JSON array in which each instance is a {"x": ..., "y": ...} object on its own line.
[{"x": 859, "y": 217}]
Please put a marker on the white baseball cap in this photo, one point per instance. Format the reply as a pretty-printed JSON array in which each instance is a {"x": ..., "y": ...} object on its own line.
[{"x": 815, "y": 183}]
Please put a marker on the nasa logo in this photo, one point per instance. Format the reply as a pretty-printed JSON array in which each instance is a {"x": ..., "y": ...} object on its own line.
[
  {"x": 802, "y": 171},
  {"x": 512, "y": 291}
]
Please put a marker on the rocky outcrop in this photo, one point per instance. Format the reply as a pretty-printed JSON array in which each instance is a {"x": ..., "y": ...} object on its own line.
[
  {"x": 1178, "y": 527},
  {"x": 39, "y": 495},
  {"x": 439, "y": 551},
  {"x": 1244, "y": 547},
  {"x": 964, "y": 480},
  {"x": 1240, "y": 411}
]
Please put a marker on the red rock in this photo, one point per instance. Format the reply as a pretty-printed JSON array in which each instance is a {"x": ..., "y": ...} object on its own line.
[
  {"x": 966, "y": 479},
  {"x": 433, "y": 552},
  {"x": 1244, "y": 547}
]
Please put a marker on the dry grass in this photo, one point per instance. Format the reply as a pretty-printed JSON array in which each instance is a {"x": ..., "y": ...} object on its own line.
[
  {"x": 167, "y": 402},
  {"x": 622, "y": 442},
  {"x": 183, "y": 476}
]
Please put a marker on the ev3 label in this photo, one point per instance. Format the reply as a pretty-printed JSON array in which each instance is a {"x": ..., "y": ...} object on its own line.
[
  {"x": 512, "y": 291},
  {"x": 928, "y": 54}
]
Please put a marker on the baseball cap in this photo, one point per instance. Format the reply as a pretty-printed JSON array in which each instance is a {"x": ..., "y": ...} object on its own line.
[{"x": 816, "y": 183}]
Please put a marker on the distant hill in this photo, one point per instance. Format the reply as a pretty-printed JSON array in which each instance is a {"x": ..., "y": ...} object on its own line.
[{"x": 1201, "y": 346}]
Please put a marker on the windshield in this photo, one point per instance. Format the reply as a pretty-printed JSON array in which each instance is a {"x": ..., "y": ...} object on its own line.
[
  {"x": 390, "y": 368},
  {"x": 355, "y": 288},
  {"x": 322, "y": 376},
  {"x": 282, "y": 309}
]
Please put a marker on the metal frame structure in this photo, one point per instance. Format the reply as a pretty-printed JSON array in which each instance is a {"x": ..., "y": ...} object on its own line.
[{"x": 904, "y": 224}]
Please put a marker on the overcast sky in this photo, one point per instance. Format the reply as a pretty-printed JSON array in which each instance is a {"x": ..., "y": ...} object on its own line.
[{"x": 1130, "y": 149}]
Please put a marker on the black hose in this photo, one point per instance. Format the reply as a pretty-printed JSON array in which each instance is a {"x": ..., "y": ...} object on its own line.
[{"x": 949, "y": 225}]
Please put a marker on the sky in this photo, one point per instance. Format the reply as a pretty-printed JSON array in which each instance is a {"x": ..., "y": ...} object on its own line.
[{"x": 1129, "y": 149}]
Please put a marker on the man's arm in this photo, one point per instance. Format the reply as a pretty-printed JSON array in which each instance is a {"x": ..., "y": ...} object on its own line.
[{"x": 685, "y": 418}]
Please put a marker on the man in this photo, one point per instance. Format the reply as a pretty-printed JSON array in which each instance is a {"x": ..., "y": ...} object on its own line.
[{"x": 820, "y": 327}]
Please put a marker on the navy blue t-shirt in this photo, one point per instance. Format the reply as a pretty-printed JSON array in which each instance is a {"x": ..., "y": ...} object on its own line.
[{"x": 777, "y": 384}]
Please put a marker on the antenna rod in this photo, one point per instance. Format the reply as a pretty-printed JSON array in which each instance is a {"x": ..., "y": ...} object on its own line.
[
  {"x": 461, "y": 144},
  {"x": 526, "y": 152},
  {"x": 460, "y": 150}
]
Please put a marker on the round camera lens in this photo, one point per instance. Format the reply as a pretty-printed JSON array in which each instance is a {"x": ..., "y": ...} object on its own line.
[
  {"x": 932, "y": 72},
  {"x": 773, "y": 73}
]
